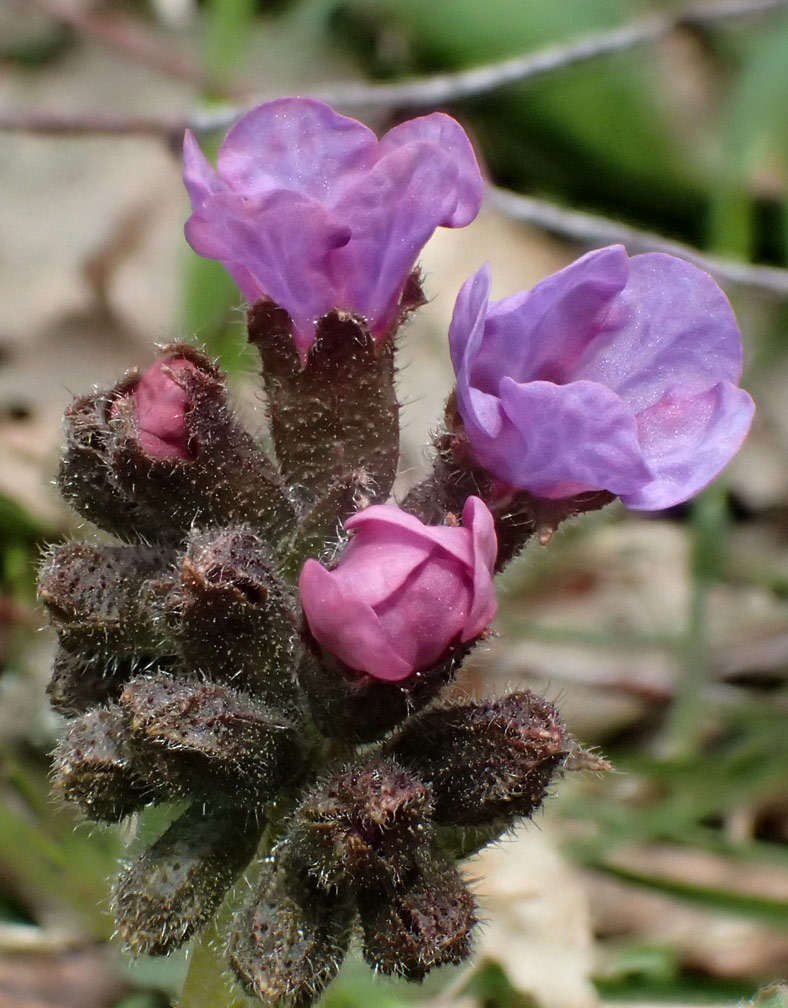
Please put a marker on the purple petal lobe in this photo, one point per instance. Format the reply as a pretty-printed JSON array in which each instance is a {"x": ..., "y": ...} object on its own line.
[
  {"x": 452, "y": 142},
  {"x": 614, "y": 374},
  {"x": 309, "y": 209},
  {"x": 277, "y": 245},
  {"x": 689, "y": 441}
]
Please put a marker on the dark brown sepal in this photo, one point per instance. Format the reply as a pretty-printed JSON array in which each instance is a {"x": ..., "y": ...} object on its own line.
[
  {"x": 110, "y": 599},
  {"x": 362, "y": 827},
  {"x": 290, "y": 940},
  {"x": 87, "y": 482},
  {"x": 208, "y": 740},
  {"x": 337, "y": 415},
  {"x": 236, "y": 621},
  {"x": 177, "y": 885},
  {"x": 228, "y": 477},
  {"x": 92, "y": 767},
  {"x": 81, "y": 680},
  {"x": 352, "y": 707},
  {"x": 426, "y": 921},
  {"x": 487, "y": 761}
]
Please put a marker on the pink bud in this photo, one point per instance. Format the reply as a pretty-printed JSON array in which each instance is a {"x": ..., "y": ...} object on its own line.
[
  {"x": 162, "y": 403},
  {"x": 403, "y": 593}
]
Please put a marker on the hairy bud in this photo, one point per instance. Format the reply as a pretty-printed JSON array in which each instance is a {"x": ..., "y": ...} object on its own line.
[
  {"x": 363, "y": 826},
  {"x": 426, "y": 922},
  {"x": 290, "y": 941},
  {"x": 488, "y": 760},
  {"x": 179, "y": 882},
  {"x": 92, "y": 767},
  {"x": 209, "y": 740},
  {"x": 109, "y": 599},
  {"x": 84, "y": 680},
  {"x": 230, "y": 594}
]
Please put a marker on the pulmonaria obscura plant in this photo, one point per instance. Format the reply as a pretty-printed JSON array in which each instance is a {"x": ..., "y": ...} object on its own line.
[{"x": 267, "y": 641}]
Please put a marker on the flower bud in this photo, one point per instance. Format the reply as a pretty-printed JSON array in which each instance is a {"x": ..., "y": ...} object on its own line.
[
  {"x": 170, "y": 446},
  {"x": 425, "y": 922},
  {"x": 80, "y": 681},
  {"x": 486, "y": 761},
  {"x": 179, "y": 882},
  {"x": 290, "y": 941},
  {"x": 161, "y": 403},
  {"x": 403, "y": 594},
  {"x": 109, "y": 599},
  {"x": 230, "y": 593},
  {"x": 208, "y": 740},
  {"x": 363, "y": 826},
  {"x": 92, "y": 767}
]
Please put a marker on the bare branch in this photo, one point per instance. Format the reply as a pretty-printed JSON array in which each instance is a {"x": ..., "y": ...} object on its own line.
[
  {"x": 593, "y": 230},
  {"x": 421, "y": 92}
]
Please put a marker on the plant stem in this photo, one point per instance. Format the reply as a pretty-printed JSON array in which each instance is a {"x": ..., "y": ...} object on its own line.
[{"x": 208, "y": 983}]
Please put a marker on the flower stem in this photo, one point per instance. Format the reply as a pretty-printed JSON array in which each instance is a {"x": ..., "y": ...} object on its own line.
[{"x": 208, "y": 983}]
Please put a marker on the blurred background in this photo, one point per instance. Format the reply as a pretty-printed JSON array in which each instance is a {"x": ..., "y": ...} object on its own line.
[{"x": 663, "y": 638}]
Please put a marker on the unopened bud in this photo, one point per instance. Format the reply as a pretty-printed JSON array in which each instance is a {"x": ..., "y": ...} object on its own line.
[
  {"x": 363, "y": 826},
  {"x": 109, "y": 599},
  {"x": 427, "y": 921},
  {"x": 290, "y": 941},
  {"x": 488, "y": 760},
  {"x": 176, "y": 446},
  {"x": 231, "y": 594},
  {"x": 180, "y": 881},
  {"x": 92, "y": 767},
  {"x": 208, "y": 740}
]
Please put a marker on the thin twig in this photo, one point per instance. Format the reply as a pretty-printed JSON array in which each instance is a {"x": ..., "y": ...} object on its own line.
[
  {"x": 125, "y": 36},
  {"x": 594, "y": 230},
  {"x": 426, "y": 92}
]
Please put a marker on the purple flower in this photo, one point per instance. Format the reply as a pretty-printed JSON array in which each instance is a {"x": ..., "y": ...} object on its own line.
[
  {"x": 309, "y": 209},
  {"x": 613, "y": 374},
  {"x": 161, "y": 404},
  {"x": 403, "y": 593}
]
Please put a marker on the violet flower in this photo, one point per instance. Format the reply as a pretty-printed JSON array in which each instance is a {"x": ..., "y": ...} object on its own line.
[
  {"x": 309, "y": 209},
  {"x": 613, "y": 374},
  {"x": 161, "y": 404},
  {"x": 403, "y": 593}
]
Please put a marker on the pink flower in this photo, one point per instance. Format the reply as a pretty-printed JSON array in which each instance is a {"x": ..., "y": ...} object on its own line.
[
  {"x": 403, "y": 593},
  {"x": 161, "y": 405},
  {"x": 309, "y": 209},
  {"x": 613, "y": 374}
]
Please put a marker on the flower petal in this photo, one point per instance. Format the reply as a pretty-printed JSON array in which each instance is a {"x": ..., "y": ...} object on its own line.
[
  {"x": 450, "y": 139},
  {"x": 479, "y": 409},
  {"x": 539, "y": 335},
  {"x": 295, "y": 143},
  {"x": 477, "y": 518},
  {"x": 670, "y": 320},
  {"x": 403, "y": 198},
  {"x": 277, "y": 245},
  {"x": 559, "y": 440},
  {"x": 688, "y": 440},
  {"x": 199, "y": 177},
  {"x": 347, "y": 626}
]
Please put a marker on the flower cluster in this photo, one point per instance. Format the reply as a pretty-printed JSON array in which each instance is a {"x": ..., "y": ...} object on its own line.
[{"x": 268, "y": 638}]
